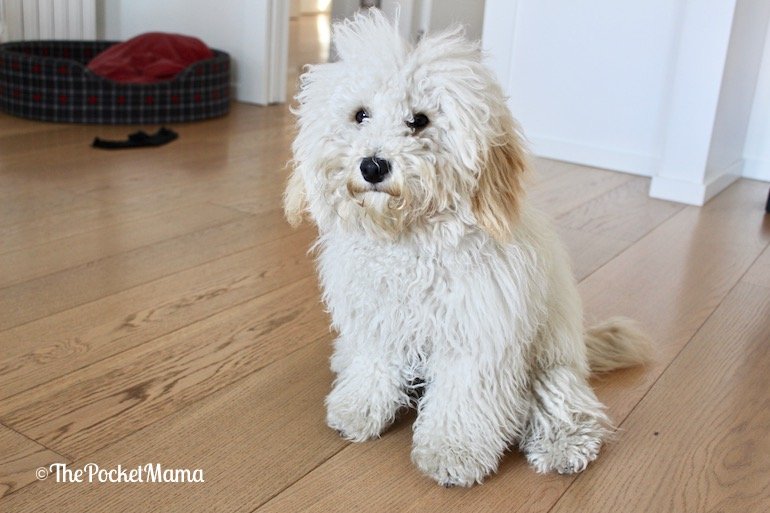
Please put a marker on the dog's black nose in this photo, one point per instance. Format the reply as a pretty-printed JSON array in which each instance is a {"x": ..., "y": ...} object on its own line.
[{"x": 374, "y": 169}]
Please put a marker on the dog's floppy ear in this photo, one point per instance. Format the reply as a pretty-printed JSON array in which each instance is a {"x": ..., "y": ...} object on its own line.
[
  {"x": 497, "y": 199},
  {"x": 294, "y": 200}
]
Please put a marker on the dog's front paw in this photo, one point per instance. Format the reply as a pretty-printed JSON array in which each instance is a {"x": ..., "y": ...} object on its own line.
[
  {"x": 566, "y": 451},
  {"x": 353, "y": 425},
  {"x": 357, "y": 418},
  {"x": 451, "y": 465}
]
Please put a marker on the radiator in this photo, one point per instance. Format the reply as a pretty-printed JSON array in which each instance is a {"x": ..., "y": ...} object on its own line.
[{"x": 48, "y": 19}]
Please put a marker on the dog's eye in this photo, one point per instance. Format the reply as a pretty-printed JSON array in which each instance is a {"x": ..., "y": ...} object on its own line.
[
  {"x": 420, "y": 121},
  {"x": 360, "y": 116}
]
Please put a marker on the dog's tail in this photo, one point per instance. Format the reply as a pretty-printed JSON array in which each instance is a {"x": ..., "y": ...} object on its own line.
[{"x": 615, "y": 344}]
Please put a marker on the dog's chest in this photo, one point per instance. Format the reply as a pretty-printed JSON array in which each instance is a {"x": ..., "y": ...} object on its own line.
[
  {"x": 388, "y": 288},
  {"x": 389, "y": 274}
]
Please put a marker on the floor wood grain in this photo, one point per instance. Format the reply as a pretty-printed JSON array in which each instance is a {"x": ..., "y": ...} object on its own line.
[
  {"x": 20, "y": 458},
  {"x": 101, "y": 403},
  {"x": 759, "y": 274},
  {"x": 56, "y": 255},
  {"x": 20, "y": 303},
  {"x": 250, "y": 444},
  {"x": 625, "y": 212},
  {"x": 699, "y": 439},
  {"x": 53, "y": 346},
  {"x": 556, "y": 193},
  {"x": 156, "y": 308}
]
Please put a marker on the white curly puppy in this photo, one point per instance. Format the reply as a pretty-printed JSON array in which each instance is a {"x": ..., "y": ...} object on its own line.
[{"x": 437, "y": 274}]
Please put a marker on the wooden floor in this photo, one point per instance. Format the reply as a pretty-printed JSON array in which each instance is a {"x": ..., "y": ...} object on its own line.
[{"x": 156, "y": 308}]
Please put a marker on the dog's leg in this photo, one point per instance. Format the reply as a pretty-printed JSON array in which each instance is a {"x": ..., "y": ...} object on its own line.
[
  {"x": 567, "y": 424},
  {"x": 467, "y": 418},
  {"x": 367, "y": 393}
]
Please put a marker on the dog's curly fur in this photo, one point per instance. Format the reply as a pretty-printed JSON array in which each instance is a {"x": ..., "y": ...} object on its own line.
[{"x": 441, "y": 277}]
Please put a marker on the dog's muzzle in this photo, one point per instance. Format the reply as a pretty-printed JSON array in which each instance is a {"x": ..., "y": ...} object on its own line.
[{"x": 374, "y": 169}]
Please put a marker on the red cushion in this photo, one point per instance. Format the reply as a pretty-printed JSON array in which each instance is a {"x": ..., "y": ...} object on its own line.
[{"x": 151, "y": 57}]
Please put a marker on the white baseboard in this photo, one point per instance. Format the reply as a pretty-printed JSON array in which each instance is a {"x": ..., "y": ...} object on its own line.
[
  {"x": 594, "y": 156},
  {"x": 671, "y": 189},
  {"x": 691, "y": 193},
  {"x": 756, "y": 169}
]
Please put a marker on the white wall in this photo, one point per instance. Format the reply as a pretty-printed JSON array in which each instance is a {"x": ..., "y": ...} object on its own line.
[
  {"x": 240, "y": 27},
  {"x": 342, "y": 9},
  {"x": 441, "y": 14},
  {"x": 588, "y": 84},
  {"x": 756, "y": 151},
  {"x": 661, "y": 88},
  {"x": 418, "y": 16},
  {"x": 700, "y": 56},
  {"x": 744, "y": 59},
  {"x": 3, "y": 23},
  {"x": 407, "y": 12}
]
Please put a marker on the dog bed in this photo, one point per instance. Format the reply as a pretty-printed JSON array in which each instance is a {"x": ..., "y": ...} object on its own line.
[{"x": 49, "y": 81}]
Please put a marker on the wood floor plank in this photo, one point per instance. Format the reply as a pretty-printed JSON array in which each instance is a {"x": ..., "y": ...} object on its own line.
[
  {"x": 759, "y": 273},
  {"x": 266, "y": 195},
  {"x": 50, "y": 135},
  {"x": 589, "y": 251},
  {"x": 48, "y": 257},
  {"x": 656, "y": 281},
  {"x": 547, "y": 169},
  {"x": 80, "y": 219},
  {"x": 700, "y": 440},
  {"x": 23, "y": 204},
  {"x": 248, "y": 132},
  {"x": 250, "y": 440},
  {"x": 19, "y": 458},
  {"x": 574, "y": 186},
  {"x": 220, "y": 176},
  {"x": 388, "y": 490},
  {"x": 542, "y": 168},
  {"x": 26, "y": 137},
  {"x": 21, "y": 303},
  {"x": 92, "y": 407},
  {"x": 263, "y": 184},
  {"x": 53, "y": 346},
  {"x": 599, "y": 229},
  {"x": 673, "y": 279},
  {"x": 219, "y": 164},
  {"x": 625, "y": 212},
  {"x": 539, "y": 169},
  {"x": 10, "y": 125}
]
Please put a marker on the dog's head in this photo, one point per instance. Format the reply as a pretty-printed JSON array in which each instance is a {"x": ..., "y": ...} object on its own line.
[{"x": 394, "y": 138}]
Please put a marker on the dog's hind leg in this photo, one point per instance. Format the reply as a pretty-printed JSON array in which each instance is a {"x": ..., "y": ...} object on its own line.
[
  {"x": 567, "y": 423},
  {"x": 367, "y": 393}
]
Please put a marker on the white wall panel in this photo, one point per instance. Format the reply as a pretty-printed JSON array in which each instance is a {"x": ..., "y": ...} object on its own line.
[
  {"x": 592, "y": 80},
  {"x": 756, "y": 151},
  {"x": 661, "y": 88}
]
